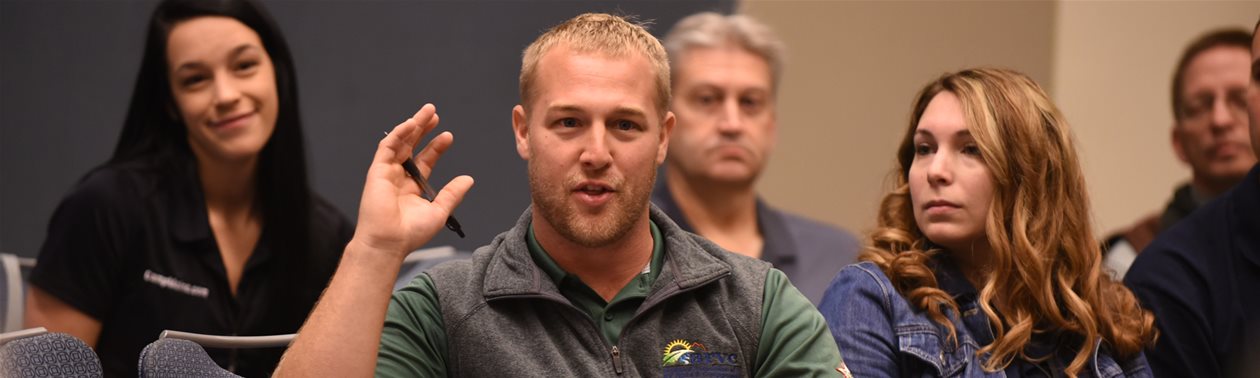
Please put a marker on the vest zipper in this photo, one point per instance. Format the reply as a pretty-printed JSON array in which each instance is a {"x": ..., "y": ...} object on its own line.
[
  {"x": 648, "y": 303},
  {"x": 616, "y": 357},
  {"x": 615, "y": 352}
]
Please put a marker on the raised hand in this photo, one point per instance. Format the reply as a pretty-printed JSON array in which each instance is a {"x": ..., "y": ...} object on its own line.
[
  {"x": 393, "y": 217},
  {"x": 342, "y": 334}
]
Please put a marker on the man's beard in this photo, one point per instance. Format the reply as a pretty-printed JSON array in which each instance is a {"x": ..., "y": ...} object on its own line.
[{"x": 553, "y": 200}]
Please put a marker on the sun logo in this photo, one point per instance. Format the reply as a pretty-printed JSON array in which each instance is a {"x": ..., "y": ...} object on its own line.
[{"x": 674, "y": 352}]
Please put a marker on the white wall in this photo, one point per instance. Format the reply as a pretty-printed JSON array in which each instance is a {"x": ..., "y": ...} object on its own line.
[
  {"x": 854, "y": 67},
  {"x": 1113, "y": 67}
]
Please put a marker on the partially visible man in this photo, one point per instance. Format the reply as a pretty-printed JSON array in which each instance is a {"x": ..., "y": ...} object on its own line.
[
  {"x": 725, "y": 73},
  {"x": 592, "y": 281},
  {"x": 1209, "y": 134},
  {"x": 1201, "y": 277}
]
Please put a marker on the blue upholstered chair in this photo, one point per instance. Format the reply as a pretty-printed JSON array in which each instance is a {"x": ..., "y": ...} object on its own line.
[
  {"x": 180, "y": 354},
  {"x": 421, "y": 260},
  {"x": 12, "y": 290},
  {"x": 38, "y": 353},
  {"x": 178, "y": 358}
]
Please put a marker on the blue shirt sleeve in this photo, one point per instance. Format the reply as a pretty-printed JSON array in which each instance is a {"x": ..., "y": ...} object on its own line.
[{"x": 858, "y": 312}]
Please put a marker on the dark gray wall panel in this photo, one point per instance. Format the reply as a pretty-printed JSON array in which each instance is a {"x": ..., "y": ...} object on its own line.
[{"x": 67, "y": 67}]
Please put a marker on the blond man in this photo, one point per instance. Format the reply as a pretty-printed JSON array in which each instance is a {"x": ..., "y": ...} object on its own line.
[{"x": 592, "y": 281}]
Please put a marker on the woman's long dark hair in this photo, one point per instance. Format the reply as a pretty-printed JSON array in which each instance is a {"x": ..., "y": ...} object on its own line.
[{"x": 154, "y": 134}]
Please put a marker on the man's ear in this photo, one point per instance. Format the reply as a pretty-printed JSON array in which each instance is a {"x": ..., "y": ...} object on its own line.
[
  {"x": 667, "y": 129},
  {"x": 1178, "y": 146},
  {"x": 520, "y": 130}
]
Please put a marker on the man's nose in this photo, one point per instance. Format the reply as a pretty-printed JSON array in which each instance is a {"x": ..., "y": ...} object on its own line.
[
  {"x": 730, "y": 119},
  {"x": 596, "y": 154}
]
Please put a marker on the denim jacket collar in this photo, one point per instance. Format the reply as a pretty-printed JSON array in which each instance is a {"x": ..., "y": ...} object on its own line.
[
  {"x": 951, "y": 279},
  {"x": 927, "y": 340}
]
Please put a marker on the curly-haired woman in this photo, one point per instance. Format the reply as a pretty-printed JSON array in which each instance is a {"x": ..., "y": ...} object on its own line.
[{"x": 984, "y": 261}]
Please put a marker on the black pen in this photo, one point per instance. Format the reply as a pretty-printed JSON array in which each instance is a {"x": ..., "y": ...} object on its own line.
[{"x": 426, "y": 190}]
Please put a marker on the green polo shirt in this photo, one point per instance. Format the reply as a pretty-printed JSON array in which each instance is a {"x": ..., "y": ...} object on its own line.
[
  {"x": 413, "y": 343},
  {"x": 611, "y": 316}
]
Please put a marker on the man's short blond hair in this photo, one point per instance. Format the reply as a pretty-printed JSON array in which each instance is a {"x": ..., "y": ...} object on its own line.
[
  {"x": 598, "y": 33},
  {"x": 712, "y": 30}
]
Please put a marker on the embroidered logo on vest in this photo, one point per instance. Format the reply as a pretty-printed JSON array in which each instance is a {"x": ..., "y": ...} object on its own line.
[{"x": 684, "y": 358}]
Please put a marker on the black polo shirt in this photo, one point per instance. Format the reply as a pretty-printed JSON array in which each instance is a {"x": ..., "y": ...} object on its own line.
[{"x": 134, "y": 250}]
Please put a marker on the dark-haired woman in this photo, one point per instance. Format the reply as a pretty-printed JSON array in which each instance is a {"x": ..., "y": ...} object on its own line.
[{"x": 203, "y": 220}]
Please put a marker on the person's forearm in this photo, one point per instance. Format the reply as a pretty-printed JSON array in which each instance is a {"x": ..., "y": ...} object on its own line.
[
  {"x": 343, "y": 333},
  {"x": 48, "y": 311}
]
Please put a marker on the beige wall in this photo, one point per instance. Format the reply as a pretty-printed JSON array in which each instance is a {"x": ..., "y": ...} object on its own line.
[
  {"x": 1113, "y": 66},
  {"x": 854, "y": 68}
]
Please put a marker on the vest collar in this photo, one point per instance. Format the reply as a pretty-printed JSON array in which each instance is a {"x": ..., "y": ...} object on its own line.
[{"x": 689, "y": 262}]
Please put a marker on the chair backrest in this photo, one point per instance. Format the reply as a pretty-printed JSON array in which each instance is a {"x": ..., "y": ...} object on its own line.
[
  {"x": 181, "y": 354},
  {"x": 421, "y": 260},
  {"x": 36, "y": 353},
  {"x": 6, "y": 337},
  {"x": 177, "y": 358},
  {"x": 12, "y": 290}
]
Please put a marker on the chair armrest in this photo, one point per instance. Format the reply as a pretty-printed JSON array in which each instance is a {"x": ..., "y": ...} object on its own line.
[
  {"x": 10, "y": 336},
  {"x": 216, "y": 341}
]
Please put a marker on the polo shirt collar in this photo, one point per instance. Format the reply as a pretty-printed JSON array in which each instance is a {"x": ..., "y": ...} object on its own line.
[
  {"x": 557, "y": 274},
  {"x": 190, "y": 221},
  {"x": 680, "y": 262},
  {"x": 778, "y": 246}
]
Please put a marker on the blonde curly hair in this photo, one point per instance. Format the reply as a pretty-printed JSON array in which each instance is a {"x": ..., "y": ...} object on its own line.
[{"x": 1046, "y": 271}]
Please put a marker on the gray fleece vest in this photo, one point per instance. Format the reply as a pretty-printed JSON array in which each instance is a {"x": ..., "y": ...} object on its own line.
[{"x": 505, "y": 317}]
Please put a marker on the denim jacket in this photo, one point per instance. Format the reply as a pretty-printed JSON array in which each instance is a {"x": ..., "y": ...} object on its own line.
[{"x": 881, "y": 334}]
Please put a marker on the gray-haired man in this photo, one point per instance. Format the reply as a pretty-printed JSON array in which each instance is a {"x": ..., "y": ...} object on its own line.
[{"x": 725, "y": 72}]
